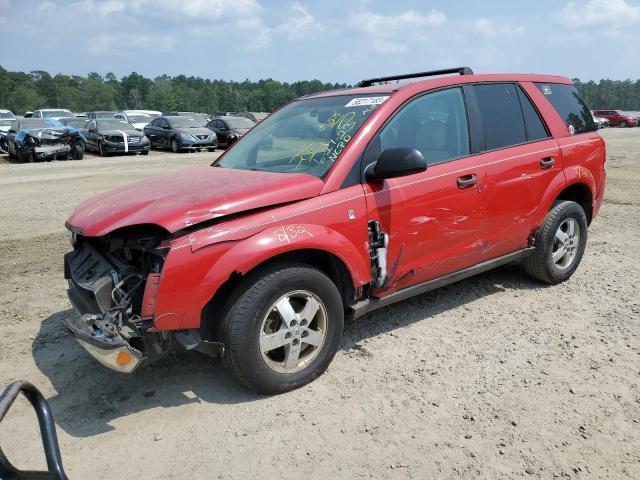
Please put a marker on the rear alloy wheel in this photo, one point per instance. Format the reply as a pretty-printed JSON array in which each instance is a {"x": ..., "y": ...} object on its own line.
[
  {"x": 622, "y": 124},
  {"x": 283, "y": 329},
  {"x": 560, "y": 244},
  {"x": 175, "y": 148}
]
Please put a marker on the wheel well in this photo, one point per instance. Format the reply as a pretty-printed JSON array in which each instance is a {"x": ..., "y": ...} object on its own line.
[
  {"x": 332, "y": 266},
  {"x": 580, "y": 194}
]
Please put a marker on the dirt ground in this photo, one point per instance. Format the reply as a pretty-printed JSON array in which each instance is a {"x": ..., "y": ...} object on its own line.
[{"x": 494, "y": 377}]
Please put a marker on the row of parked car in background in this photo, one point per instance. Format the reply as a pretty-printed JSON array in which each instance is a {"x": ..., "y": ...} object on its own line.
[
  {"x": 57, "y": 133},
  {"x": 50, "y": 134}
]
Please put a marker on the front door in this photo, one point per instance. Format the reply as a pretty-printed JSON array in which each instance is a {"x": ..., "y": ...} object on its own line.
[{"x": 435, "y": 219}]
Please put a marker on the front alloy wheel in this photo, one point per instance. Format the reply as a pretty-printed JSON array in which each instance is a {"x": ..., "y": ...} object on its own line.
[
  {"x": 293, "y": 331},
  {"x": 283, "y": 327}
]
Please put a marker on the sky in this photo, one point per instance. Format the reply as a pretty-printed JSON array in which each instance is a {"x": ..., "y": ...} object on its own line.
[{"x": 330, "y": 40}]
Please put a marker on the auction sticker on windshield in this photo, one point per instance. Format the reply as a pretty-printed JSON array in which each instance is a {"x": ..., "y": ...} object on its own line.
[{"x": 362, "y": 101}]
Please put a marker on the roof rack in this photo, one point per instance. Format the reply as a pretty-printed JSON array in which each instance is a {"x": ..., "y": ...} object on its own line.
[{"x": 460, "y": 70}]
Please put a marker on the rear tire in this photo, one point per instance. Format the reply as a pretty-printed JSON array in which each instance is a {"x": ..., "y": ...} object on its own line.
[
  {"x": 560, "y": 244},
  {"x": 273, "y": 311},
  {"x": 145, "y": 152}
]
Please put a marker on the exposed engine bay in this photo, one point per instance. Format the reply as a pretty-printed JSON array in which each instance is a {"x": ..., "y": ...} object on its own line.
[{"x": 107, "y": 280}]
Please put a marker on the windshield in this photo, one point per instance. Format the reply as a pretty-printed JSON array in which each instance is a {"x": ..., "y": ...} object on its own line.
[
  {"x": 114, "y": 125},
  {"x": 74, "y": 122},
  {"x": 34, "y": 123},
  {"x": 139, "y": 118},
  {"x": 8, "y": 115},
  {"x": 104, "y": 114},
  {"x": 183, "y": 122},
  {"x": 239, "y": 122},
  {"x": 56, "y": 113},
  {"x": 306, "y": 136},
  {"x": 196, "y": 116}
]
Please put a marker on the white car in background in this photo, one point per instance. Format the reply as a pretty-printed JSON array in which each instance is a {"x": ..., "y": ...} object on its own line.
[
  {"x": 600, "y": 122},
  {"x": 138, "y": 118},
  {"x": 52, "y": 113},
  {"x": 6, "y": 119}
]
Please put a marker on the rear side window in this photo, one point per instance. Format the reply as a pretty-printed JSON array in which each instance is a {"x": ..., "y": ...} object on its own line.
[
  {"x": 502, "y": 119},
  {"x": 569, "y": 105},
  {"x": 532, "y": 121}
]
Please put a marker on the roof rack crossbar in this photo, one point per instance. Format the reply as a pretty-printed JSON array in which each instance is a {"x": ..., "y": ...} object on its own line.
[{"x": 432, "y": 73}]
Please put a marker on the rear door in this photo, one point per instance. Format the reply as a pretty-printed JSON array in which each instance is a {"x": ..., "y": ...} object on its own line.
[
  {"x": 91, "y": 135},
  {"x": 163, "y": 132},
  {"x": 435, "y": 219},
  {"x": 151, "y": 130},
  {"x": 522, "y": 161}
]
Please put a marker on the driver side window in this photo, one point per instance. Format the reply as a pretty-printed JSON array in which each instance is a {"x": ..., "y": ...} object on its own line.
[{"x": 434, "y": 123}]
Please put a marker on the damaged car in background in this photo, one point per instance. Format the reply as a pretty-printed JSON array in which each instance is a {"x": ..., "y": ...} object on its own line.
[
  {"x": 339, "y": 203},
  {"x": 37, "y": 140}
]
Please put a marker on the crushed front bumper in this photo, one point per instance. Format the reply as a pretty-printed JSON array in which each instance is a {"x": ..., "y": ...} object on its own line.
[
  {"x": 111, "y": 351},
  {"x": 91, "y": 282},
  {"x": 48, "y": 152}
]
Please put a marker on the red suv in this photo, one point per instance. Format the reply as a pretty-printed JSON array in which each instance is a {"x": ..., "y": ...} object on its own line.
[
  {"x": 617, "y": 118},
  {"x": 337, "y": 204}
]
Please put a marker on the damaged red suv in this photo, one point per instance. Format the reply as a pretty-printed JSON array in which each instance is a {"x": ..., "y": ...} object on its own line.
[{"x": 337, "y": 204}]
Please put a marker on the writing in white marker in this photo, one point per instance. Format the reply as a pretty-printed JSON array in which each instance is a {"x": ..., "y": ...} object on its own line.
[{"x": 287, "y": 233}]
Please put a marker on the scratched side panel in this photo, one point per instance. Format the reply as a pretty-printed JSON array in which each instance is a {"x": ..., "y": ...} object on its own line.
[
  {"x": 434, "y": 226},
  {"x": 516, "y": 183}
]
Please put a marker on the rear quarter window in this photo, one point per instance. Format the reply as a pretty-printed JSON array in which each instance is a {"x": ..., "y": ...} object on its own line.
[{"x": 567, "y": 102}]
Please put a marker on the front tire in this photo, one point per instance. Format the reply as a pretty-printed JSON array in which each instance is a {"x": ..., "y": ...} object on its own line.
[
  {"x": 560, "y": 244},
  {"x": 175, "y": 147},
  {"x": 283, "y": 328},
  {"x": 78, "y": 152},
  {"x": 101, "y": 150},
  {"x": 622, "y": 124}
]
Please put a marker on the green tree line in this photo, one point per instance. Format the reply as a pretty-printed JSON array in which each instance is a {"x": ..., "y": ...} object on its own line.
[{"x": 21, "y": 92}]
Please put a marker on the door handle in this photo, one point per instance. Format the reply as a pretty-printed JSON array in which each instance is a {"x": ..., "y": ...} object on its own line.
[
  {"x": 467, "y": 181},
  {"x": 547, "y": 162}
]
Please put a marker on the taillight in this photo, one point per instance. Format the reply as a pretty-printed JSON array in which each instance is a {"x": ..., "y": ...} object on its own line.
[{"x": 150, "y": 298}]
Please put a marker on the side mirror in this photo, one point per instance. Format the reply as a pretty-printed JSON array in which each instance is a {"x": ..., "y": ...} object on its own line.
[{"x": 396, "y": 162}]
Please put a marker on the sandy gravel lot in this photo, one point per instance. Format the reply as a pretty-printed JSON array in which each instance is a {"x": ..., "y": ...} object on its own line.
[{"x": 494, "y": 377}]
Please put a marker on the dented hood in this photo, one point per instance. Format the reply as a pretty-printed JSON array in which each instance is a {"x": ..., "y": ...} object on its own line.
[{"x": 180, "y": 199}]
